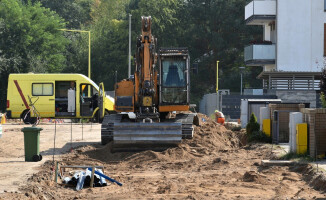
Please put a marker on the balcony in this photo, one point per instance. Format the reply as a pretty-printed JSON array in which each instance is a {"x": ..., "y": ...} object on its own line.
[
  {"x": 259, "y": 54},
  {"x": 260, "y": 12}
]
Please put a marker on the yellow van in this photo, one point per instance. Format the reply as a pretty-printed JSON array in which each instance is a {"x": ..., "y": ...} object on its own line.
[{"x": 56, "y": 96}]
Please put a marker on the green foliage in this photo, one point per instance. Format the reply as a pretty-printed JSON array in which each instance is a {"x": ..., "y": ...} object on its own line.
[
  {"x": 323, "y": 100},
  {"x": 253, "y": 125},
  {"x": 259, "y": 136},
  {"x": 75, "y": 12},
  {"x": 109, "y": 42},
  {"x": 236, "y": 128},
  {"x": 29, "y": 41},
  {"x": 30, "y": 36},
  {"x": 253, "y": 132},
  {"x": 322, "y": 86}
]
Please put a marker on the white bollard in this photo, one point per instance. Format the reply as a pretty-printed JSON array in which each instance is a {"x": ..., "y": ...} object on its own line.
[
  {"x": 295, "y": 118},
  {"x": 264, "y": 113}
]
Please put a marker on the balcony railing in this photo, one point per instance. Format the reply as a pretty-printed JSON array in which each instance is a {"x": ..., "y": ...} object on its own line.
[
  {"x": 259, "y": 54},
  {"x": 259, "y": 12}
]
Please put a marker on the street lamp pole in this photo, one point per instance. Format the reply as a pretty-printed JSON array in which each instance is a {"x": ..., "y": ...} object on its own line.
[
  {"x": 129, "y": 54},
  {"x": 217, "y": 96},
  {"x": 241, "y": 68},
  {"x": 89, "y": 54},
  {"x": 89, "y": 47},
  {"x": 241, "y": 83}
]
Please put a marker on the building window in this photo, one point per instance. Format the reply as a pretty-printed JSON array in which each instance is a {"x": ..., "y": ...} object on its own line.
[{"x": 42, "y": 89}]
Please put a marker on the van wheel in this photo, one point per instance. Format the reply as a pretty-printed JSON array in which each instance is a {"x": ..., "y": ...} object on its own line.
[{"x": 28, "y": 119}]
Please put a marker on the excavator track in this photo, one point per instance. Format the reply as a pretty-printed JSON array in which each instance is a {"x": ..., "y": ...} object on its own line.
[
  {"x": 107, "y": 129},
  {"x": 187, "y": 121},
  {"x": 134, "y": 134}
]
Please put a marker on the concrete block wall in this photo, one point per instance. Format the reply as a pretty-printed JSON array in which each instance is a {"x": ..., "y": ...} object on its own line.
[
  {"x": 284, "y": 118},
  {"x": 316, "y": 120},
  {"x": 320, "y": 131}
]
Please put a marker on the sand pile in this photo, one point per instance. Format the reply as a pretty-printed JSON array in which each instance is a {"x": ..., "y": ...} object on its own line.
[{"x": 210, "y": 139}]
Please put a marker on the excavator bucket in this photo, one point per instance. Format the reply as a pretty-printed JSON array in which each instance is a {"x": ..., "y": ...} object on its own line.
[{"x": 147, "y": 133}]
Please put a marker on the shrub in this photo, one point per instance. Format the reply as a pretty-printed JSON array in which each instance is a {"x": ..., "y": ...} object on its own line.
[
  {"x": 236, "y": 128},
  {"x": 323, "y": 100},
  {"x": 253, "y": 125},
  {"x": 259, "y": 136}
]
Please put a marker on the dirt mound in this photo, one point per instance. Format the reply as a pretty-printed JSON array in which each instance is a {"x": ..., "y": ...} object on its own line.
[
  {"x": 311, "y": 176},
  {"x": 209, "y": 138},
  {"x": 213, "y": 135}
]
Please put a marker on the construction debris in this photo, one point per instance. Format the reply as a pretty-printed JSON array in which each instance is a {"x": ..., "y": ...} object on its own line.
[
  {"x": 277, "y": 162},
  {"x": 83, "y": 178}
]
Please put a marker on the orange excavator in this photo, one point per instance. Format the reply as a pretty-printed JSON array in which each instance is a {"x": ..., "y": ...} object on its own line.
[{"x": 149, "y": 104}]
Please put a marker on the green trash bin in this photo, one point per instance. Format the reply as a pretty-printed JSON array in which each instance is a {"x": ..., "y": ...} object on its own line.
[{"x": 32, "y": 144}]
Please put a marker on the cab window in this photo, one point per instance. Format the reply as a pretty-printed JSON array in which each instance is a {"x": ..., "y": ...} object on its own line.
[{"x": 174, "y": 73}]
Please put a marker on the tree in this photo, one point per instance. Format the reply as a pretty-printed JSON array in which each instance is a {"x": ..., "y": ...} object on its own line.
[
  {"x": 29, "y": 41},
  {"x": 322, "y": 86},
  {"x": 109, "y": 29},
  {"x": 166, "y": 21},
  {"x": 253, "y": 125},
  {"x": 75, "y": 12},
  {"x": 217, "y": 31}
]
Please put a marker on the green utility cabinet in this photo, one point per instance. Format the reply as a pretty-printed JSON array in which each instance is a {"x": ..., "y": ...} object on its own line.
[{"x": 32, "y": 144}]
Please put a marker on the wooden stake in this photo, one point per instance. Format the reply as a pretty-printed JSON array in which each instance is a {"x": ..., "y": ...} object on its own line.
[
  {"x": 92, "y": 177},
  {"x": 56, "y": 171}
]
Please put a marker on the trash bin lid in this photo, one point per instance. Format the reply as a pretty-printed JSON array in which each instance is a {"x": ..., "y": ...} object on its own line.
[{"x": 31, "y": 129}]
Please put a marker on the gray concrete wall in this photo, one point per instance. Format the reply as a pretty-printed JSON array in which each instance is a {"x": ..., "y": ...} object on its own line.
[
  {"x": 297, "y": 96},
  {"x": 208, "y": 104}
]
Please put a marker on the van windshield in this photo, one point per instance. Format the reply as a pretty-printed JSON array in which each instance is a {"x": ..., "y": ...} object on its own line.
[{"x": 93, "y": 84}]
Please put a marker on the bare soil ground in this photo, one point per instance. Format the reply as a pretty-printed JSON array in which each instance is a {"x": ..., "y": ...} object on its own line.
[{"x": 216, "y": 164}]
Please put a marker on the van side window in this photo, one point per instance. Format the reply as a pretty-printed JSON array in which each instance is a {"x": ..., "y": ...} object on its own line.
[{"x": 42, "y": 89}]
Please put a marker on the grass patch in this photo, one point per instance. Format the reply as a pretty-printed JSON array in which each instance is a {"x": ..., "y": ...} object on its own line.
[{"x": 299, "y": 157}]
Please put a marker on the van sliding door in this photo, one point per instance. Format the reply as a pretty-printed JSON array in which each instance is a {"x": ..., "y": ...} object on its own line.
[{"x": 43, "y": 98}]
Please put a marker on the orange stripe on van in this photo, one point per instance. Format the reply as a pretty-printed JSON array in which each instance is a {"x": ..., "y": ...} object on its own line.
[{"x": 21, "y": 94}]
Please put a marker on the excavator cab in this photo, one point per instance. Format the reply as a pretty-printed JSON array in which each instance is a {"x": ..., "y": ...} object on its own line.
[{"x": 174, "y": 81}]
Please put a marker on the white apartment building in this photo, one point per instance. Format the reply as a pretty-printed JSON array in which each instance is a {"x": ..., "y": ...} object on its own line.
[{"x": 292, "y": 52}]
